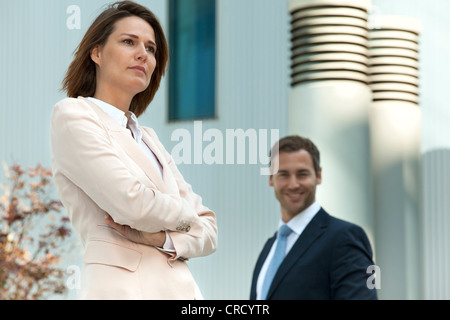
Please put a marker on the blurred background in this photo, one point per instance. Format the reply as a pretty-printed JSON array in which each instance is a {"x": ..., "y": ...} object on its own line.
[{"x": 255, "y": 65}]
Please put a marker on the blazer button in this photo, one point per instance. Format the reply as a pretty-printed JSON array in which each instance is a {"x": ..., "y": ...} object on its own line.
[{"x": 184, "y": 226}]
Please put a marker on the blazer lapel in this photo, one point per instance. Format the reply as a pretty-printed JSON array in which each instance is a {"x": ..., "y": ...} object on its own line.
[
  {"x": 313, "y": 230},
  {"x": 129, "y": 145},
  {"x": 170, "y": 184}
]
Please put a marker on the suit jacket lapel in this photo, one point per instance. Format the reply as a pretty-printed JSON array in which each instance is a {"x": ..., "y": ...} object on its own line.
[
  {"x": 313, "y": 230},
  {"x": 265, "y": 253},
  {"x": 129, "y": 145},
  {"x": 259, "y": 263}
]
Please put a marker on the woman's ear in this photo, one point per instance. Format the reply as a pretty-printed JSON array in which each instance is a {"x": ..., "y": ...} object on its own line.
[{"x": 95, "y": 55}]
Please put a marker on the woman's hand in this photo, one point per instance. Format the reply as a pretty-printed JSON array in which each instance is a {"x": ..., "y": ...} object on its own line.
[{"x": 150, "y": 239}]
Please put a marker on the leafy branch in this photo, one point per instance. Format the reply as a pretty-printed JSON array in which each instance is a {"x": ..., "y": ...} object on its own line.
[{"x": 34, "y": 235}]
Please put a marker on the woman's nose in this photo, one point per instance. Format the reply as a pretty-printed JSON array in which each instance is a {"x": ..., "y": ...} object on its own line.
[{"x": 141, "y": 53}]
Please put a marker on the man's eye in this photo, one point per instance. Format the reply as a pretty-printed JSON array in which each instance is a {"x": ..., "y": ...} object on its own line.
[{"x": 303, "y": 174}]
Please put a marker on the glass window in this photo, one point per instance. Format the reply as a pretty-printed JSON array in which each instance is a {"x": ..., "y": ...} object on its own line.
[{"x": 192, "y": 72}]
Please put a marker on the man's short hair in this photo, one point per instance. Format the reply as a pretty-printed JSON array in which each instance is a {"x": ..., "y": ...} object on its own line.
[{"x": 295, "y": 143}]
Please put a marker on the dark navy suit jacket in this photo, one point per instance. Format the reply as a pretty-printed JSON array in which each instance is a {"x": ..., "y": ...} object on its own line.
[{"x": 328, "y": 261}]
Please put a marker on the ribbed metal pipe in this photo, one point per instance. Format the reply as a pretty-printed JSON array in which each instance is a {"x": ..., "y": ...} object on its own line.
[
  {"x": 395, "y": 131},
  {"x": 329, "y": 41},
  {"x": 330, "y": 97},
  {"x": 394, "y": 59}
]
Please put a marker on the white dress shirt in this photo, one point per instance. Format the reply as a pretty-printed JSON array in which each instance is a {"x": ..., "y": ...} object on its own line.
[
  {"x": 297, "y": 224},
  {"x": 130, "y": 122}
]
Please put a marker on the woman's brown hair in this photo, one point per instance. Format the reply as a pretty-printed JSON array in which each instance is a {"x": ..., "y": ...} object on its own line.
[{"x": 80, "y": 77}]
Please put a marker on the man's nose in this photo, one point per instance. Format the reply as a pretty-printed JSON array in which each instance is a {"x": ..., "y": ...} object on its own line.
[{"x": 293, "y": 182}]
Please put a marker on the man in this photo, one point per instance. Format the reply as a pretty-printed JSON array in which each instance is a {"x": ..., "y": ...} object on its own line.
[{"x": 324, "y": 257}]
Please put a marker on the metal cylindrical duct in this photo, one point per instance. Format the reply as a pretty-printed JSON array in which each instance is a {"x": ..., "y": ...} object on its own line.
[
  {"x": 395, "y": 134},
  {"x": 329, "y": 41},
  {"x": 330, "y": 97},
  {"x": 394, "y": 55}
]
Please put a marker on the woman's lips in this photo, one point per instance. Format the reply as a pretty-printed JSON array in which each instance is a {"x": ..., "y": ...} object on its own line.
[{"x": 139, "y": 68}]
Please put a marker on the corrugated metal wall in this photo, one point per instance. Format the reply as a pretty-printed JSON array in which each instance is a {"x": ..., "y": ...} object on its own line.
[
  {"x": 253, "y": 83},
  {"x": 436, "y": 223}
]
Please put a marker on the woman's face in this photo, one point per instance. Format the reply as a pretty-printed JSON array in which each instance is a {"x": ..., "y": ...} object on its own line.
[{"x": 127, "y": 60}]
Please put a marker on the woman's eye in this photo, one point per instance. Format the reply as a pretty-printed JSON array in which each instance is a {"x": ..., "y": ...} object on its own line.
[
  {"x": 128, "y": 41},
  {"x": 151, "y": 49}
]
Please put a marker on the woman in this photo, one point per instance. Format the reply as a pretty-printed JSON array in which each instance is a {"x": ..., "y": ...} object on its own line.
[{"x": 138, "y": 219}]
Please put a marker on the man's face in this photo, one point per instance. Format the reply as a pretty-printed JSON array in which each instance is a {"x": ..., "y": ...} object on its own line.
[{"x": 295, "y": 182}]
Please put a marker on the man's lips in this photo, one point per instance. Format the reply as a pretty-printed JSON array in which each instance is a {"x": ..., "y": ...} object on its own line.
[{"x": 294, "y": 195}]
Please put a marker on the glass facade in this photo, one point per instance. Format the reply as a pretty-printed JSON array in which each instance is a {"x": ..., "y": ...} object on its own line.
[{"x": 192, "y": 44}]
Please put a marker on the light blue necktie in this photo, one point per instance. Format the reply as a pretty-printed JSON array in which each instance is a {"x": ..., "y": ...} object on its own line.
[{"x": 277, "y": 258}]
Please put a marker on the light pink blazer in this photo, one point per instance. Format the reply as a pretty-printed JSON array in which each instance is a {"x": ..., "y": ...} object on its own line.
[{"x": 98, "y": 168}]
